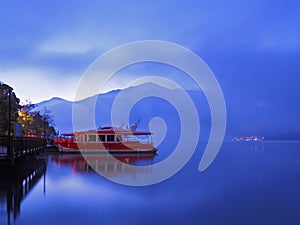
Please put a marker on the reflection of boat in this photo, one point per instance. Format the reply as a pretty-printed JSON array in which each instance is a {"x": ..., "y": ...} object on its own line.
[
  {"x": 113, "y": 140},
  {"x": 105, "y": 163}
]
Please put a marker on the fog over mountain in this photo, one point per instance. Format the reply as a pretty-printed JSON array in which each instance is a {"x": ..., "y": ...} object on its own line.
[{"x": 245, "y": 116}]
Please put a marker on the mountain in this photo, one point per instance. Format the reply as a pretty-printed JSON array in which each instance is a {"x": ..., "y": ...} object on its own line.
[
  {"x": 144, "y": 110},
  {"x": 245, "y": 116},
  {"x": 61, "y": 110}
]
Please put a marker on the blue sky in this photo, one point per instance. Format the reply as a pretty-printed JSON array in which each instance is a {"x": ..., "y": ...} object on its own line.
[{"x": 251, "y": 46}]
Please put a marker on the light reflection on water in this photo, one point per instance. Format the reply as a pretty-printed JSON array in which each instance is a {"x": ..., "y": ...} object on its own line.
[{"x": 249, "y": 183}]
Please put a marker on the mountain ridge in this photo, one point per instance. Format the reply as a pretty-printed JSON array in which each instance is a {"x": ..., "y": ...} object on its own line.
[{"x": 244, "y": 117}]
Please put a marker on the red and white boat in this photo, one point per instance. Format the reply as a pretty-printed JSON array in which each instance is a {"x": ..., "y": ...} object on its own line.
[{"x": 107, "y": 139}]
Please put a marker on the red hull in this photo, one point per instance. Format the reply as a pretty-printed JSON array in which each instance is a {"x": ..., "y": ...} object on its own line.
[{"x": 117, "y": 147}]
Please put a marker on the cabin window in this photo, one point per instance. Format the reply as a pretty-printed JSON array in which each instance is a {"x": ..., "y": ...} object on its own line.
[
  {"x": 80, "y": 138},
  {"x": 92, "y": 138},
  {"x": 119, "y": 138},
  {"x": 111, "y": 138},
  {"x": 102, "y": 138}
]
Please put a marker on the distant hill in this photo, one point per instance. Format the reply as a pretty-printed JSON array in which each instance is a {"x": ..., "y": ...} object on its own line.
[{"x": 245, "y": 116}]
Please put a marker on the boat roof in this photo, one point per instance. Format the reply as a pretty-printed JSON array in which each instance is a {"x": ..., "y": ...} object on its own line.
[
  {"x": 68, "y": 134},
  {"x": 114, "y": 130}
]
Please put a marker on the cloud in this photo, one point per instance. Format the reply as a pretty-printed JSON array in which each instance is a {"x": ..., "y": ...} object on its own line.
[
  {"x": 65, "y": 45},
  {"x": 38, "y": 85},
  {"x": 279, "y": 43},
  {"x": 52, "y": 44}
]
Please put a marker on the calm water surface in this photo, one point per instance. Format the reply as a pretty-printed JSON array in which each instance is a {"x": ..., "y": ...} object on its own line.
[{"x": 248, "y": 183}]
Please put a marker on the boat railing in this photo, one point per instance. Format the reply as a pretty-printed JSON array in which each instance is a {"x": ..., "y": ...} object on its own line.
[{"x": 131, "y": 139}]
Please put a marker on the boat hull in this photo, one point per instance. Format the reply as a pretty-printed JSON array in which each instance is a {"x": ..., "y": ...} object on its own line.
[{"x": 131, "y": 147}]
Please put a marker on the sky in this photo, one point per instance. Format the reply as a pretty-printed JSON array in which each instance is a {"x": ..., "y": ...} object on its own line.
[{"x": 253, "y": 47}]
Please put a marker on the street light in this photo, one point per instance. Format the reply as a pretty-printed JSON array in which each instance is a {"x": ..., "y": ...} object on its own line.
[{"x": 9, "y": 125}]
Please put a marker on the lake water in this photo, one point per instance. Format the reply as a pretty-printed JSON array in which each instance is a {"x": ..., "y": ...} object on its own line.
[{"x": 248, "y": 183}]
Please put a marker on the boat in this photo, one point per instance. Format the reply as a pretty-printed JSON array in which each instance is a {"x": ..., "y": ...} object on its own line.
[{"x": 107, "y": 139}]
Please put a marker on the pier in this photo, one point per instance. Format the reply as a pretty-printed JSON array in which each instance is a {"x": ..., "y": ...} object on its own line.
[
  {"x": 14, "y": 148},
  {"x": 20, "y": 171}
]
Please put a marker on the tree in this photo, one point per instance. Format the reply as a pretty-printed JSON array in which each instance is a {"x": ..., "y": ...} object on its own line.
[
  {"x": 35, "y": 123},
  {"x": 40, "y": 124},
  {"x": 8, "y": 98},
  {"x": 25, "y": 118}
]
